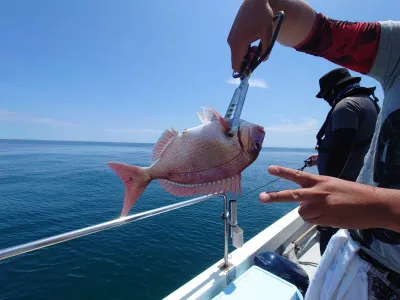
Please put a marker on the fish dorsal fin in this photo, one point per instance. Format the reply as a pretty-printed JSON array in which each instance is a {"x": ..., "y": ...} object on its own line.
[
  {"x": 165, "y": 139},
  {"x": 222, "y": 120},
  {"x": 201, "y": 117},
  {"x": 210, "y": 114},
  {"x": 231, "y": 185}
]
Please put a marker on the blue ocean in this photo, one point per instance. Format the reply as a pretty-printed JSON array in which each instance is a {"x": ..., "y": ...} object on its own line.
[{"x": 49, "y": 187}]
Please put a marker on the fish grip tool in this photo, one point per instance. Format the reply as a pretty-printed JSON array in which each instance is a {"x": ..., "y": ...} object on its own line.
[{"x": 251, "y": 61}]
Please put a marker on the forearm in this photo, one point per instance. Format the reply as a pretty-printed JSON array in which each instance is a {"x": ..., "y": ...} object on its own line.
[
  {"x": 298, "y": 22},
  {"x": 389, "y": 200},
  {"x": 353, "y": 45}
]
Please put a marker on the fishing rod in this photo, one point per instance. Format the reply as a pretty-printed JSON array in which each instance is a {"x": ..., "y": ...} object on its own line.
[{"x": 307, "y": 164}]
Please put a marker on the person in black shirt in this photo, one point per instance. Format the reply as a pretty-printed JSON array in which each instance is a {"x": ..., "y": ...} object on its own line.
[{"x": 345, "y": 137}]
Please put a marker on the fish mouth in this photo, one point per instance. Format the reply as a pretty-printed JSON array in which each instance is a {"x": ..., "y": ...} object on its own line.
[
  {"x": 258, "y": 141},
  {"x": 256, "y": 147},
  {"x": 261, "y": 129}
]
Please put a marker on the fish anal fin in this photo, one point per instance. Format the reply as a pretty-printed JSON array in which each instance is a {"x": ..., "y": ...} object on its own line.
[
  {"x": 166, "y": 138},
  {"x": 231, "y": 185},
  {"x": 238, "y": 185}
]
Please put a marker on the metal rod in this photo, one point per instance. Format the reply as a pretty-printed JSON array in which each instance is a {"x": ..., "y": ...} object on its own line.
[
  {"x": 301, "y": 237},
  {"x": 226, "y": 230},
  {"x": 233, "y": 212},
  {"x": 38, "y": 244},
  {"x": 293, "y": 245}
]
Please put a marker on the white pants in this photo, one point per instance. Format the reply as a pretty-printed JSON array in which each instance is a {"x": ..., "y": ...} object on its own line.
[{"x": 341, "y": 274}]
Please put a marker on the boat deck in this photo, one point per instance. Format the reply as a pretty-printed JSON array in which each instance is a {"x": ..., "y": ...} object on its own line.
[
  {"x": 310, "y": 259},
  {"x": 289, "y": 236},
  {"x": 252, "y": 283}
]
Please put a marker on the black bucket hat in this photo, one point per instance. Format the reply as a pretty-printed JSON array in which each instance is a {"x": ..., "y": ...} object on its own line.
[{"x": 334, "y": 78}]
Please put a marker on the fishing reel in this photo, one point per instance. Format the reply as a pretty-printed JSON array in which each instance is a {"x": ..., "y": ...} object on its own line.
[{"x": 308, "y": 163}]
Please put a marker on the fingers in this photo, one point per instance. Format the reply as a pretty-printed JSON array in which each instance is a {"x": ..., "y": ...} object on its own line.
[
  {"x": 254, "y": 21},
  {"x": 266, "y": 33},
  {"x": 317, "y": 221},
  {"x": 266, "y": 58},
  {"x": 266, "y": 40},
  {"x": 239, "y": 44},
  {"x": 238, "y": 52},
  {"x": 310, "y": 211},
  {"x": 302, "y": 178},
  {"x": 265, "y": 44},
  {"x": 238, "y": 39},
  {"x": 284, "y": 196},
  {"x": 322, "y": 221}
]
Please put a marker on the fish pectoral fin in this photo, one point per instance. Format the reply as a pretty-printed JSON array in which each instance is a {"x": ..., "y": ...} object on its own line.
[
  {"x": 166, "y": 138},
  {"x": 231, "y": 185}
]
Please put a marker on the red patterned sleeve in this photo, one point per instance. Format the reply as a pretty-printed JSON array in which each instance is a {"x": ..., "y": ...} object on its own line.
[{"x": 353, "y": 45}]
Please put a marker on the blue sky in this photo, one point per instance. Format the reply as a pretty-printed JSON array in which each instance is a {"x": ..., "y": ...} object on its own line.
[{"x": 124, "y": 70}]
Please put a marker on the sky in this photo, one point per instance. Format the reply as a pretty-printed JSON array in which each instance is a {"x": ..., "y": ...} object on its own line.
[{"x": 124, "y": 71}]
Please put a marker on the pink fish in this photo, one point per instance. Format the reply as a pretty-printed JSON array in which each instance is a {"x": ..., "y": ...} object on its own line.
[{"x": 201, "y": 160}]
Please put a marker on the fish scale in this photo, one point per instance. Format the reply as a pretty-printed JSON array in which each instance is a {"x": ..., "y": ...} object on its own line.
[{"x": 183, "y": 153}]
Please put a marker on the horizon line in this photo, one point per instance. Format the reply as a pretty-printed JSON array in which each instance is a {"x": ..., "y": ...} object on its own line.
[{"x": 110, "y": 142}]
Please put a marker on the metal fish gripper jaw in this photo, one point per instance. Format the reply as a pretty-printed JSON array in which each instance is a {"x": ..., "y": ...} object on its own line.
[{"x": 236, "y": 105}]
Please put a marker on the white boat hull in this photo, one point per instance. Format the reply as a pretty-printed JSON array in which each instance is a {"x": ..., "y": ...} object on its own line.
[{"x": 276, "y": 237}]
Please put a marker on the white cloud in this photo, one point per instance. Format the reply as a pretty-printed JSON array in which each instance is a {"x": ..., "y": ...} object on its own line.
[
  {"x": 133, "y": 131},
  {"x": 252, "y": 82},
  {"x": 17, "y": 117},
  {"x": 287, "y": 125},
  {"x": 52, "y": 122},
  {"x": 7, "y": 115}
]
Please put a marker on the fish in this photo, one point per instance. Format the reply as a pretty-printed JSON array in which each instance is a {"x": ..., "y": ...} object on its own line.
[{"x": 202, "y": 160}]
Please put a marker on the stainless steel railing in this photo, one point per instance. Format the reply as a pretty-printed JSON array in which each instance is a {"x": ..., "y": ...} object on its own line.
[{"x": 56, "y": 239}]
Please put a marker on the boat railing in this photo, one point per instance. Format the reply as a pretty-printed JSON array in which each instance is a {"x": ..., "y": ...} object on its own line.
[{"x": 229, "y": 217}]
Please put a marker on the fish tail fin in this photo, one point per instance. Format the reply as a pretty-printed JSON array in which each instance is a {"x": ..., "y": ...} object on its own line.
[{"x": 135, "y": 180}]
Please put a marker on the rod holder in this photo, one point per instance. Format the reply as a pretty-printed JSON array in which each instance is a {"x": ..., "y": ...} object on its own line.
[
  {"x": 236, "y": 231},
  {"x": 229, "y": 216},
  {"x": 233, "y": 214}
]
